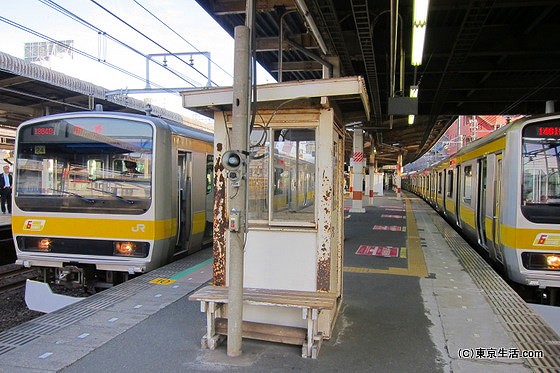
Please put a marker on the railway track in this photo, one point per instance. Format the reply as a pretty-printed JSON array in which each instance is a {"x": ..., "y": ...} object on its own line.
[
  {"x": 13, "y": 276},
  {"x": 7, "y": 249}
]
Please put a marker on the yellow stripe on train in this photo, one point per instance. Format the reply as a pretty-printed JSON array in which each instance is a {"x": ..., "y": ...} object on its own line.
[
  {"x": 94, "y": 228},
  {"x": 536, "y": 239}
]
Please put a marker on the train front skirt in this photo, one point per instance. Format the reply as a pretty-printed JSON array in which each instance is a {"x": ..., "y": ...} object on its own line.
[{"x": 39, "y": 297}]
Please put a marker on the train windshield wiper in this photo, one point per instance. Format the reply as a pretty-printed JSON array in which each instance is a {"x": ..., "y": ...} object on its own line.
[
  {"x": 85, "y": 199},
  {"x": 120, "y": 198}
]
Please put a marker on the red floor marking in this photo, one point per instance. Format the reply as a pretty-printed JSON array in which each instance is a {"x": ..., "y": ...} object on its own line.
[
  {"x": 396, "y": 228},
  {"x": 392, "y": 216},
  {"x": 385, "y": 251}
]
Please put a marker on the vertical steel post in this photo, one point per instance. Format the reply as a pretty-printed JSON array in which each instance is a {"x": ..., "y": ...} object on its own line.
[
  {"x": 237, "y": 201},
  {"x": 358, "y": 167},
  {"x": 371, "y": 165},
  {"x": 399, "y": 174}
]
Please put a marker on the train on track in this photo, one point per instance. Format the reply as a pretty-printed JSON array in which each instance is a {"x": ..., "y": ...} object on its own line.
[
  {"x": 99, "y": 197},
  {"x": 503, "y": 193}
]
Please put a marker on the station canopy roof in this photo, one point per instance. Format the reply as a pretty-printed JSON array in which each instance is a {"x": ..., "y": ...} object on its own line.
[{"x": 481, "y": 57}]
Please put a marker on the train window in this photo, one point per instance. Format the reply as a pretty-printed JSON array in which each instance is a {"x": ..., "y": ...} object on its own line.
[
  {"x": 288, "y": 194},
  {"x": 467, "y": 184},
  {"x": 439, "y": 182},
  {"x": 540, "y": 197},
  {"x": 79, "y": 164}
]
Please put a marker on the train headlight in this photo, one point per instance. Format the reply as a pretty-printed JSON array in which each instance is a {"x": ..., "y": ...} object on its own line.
[
  {"x": 130, "y": 248},
  {"x": 541, "y": 261},
  {"x": 553, "y": 261},
  {"x": 44, "y": 244},
  {"x": 36, "y": 244}
]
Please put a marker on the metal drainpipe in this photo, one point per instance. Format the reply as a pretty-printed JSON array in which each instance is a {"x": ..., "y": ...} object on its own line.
[{"x": 281, "y": 43}]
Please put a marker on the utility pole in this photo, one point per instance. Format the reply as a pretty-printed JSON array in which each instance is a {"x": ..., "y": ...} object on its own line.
[{"x": 238, "y": 182}]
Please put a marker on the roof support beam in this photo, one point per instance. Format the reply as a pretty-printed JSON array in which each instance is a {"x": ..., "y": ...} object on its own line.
[{"x": 225, "y": 7}]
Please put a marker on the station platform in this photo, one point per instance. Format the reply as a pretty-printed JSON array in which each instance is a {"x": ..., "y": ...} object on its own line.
[
  {"x": 416, "y": 298},
  {"x": 5, "y": 220}
]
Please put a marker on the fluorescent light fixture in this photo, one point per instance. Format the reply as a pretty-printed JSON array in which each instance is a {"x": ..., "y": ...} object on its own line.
[
  {"x": 413, "y": 94},
  {"x": 419, "y": 30},
  {"x": 410, "y": 120},
  {"x": 420, "y": 12},
  {"x": 418, "y": 36}
]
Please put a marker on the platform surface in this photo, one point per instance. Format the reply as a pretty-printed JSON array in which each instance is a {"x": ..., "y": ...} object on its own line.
[{"x": 416, "y": 299}]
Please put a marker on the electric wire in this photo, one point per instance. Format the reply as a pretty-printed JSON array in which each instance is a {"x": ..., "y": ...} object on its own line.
[
  {"x": 153, "y": 41},
  {"x": 75, "y": 17},
  {"x": 80, "y": 52},
  {"x": 43, "y": 98},
  {"x": 180, "y": 36}
]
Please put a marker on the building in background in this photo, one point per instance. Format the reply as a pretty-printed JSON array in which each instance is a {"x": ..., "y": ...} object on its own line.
[{"x": 464, "y": 130}]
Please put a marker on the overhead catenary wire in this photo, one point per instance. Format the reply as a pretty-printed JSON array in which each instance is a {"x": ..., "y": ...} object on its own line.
[
  {"x": 154, "y": 42},
  {"x": 180, "y": 36},
  {"x": 80, "y": 52},
  {"x": 82, "y": 21}
]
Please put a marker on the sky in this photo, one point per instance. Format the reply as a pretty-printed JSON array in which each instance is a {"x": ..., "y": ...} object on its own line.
[{"x": 186, "y": 28}]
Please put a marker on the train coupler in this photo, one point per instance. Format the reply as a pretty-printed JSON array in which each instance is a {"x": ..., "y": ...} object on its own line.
[{"x": 70, "y": 276}]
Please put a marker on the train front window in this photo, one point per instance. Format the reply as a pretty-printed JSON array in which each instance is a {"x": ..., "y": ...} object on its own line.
[
  {"x": 540, "y": 197},
  {"x": 85, "y": 164},
  {"x": 282, "y": 190}
]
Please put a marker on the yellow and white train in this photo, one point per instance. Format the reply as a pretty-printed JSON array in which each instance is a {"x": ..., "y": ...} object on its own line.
[
  {"x": 503, "y": 192},
  {"x": 99, "y": 196}
]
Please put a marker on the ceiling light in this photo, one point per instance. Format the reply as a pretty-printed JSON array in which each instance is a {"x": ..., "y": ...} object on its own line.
[
  {"x": 418, "y": 36},
  {"x": 413, "y": 94},
  {"x": 420, "y": 12},
  {"x": 419, "y": 30}
]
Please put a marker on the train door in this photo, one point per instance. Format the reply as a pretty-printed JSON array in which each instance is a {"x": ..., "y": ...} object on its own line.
[
  {"x": 207, "y": 237},
  {"x": 458, "y": 196},
  {"x": 481, "y": 202},
  {"x": 444, "y": 191},
  {"x": 184, "y": 213},
  {"x": 496, "y": 235},
  {"x": 450, "y": 193}
]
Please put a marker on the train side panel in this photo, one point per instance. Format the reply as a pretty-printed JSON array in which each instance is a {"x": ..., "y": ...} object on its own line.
[{"x": 503, "y": 193}]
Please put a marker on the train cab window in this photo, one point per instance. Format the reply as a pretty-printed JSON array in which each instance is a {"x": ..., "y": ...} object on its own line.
[
  {"x": 467, "y": 184},
  {"x": 540, "y": 189},
  {"x": 78, "y": 164},
  {"x": 282, "y": 189}
]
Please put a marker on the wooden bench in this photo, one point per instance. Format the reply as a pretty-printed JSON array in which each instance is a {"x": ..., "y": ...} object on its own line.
[{"x": 213, "y": 298}]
